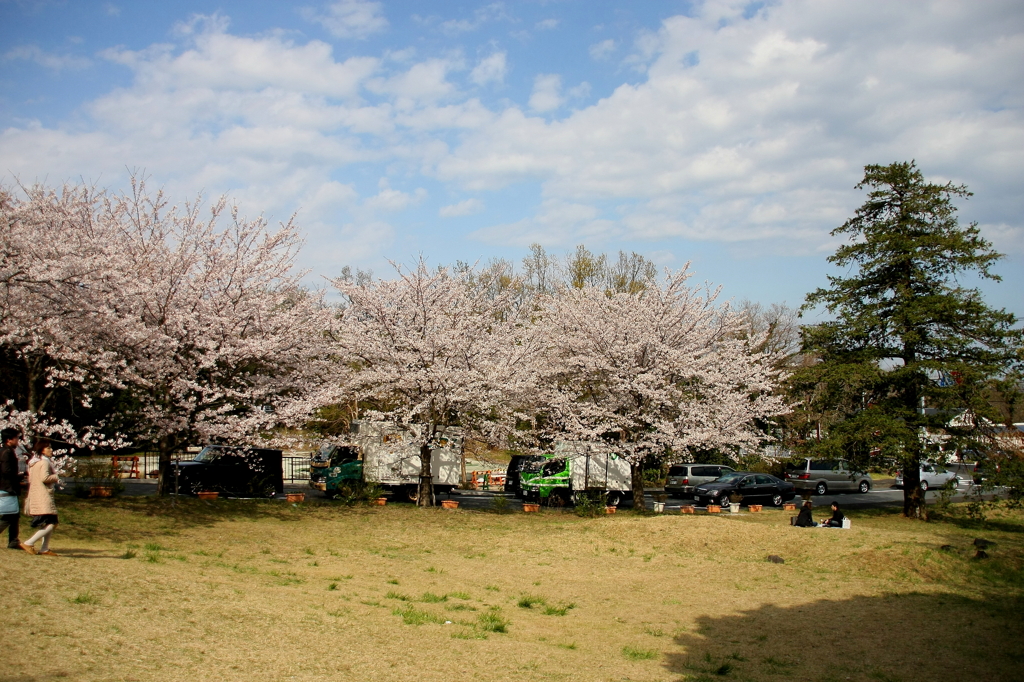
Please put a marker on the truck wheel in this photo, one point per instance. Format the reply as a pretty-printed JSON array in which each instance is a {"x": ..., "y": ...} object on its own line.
[
  {"x": 614, "y": 498},
  {"x": 821, "y": 488},
  {"x": 558, "y": 498},
  {"x": 410, "y": 493}
]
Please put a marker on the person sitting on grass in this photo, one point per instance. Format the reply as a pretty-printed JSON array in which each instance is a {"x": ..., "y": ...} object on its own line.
[
  {"x": 837, "y": 518},
  {"x": 804, "y": 519}
]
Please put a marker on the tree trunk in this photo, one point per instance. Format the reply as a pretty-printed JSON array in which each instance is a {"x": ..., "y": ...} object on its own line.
[
  {"x": 426, "y": 490},
  {"x": 913, "y": 496},
  {"x": 165, "y": 484},
  {"x": 637, "y": 471}
]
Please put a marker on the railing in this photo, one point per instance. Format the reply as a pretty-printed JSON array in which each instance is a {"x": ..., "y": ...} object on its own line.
[{"x": 294, "y": 468}]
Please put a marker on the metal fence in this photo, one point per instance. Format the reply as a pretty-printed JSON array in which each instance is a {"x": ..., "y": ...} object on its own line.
[{"x": 295, "y": 469}]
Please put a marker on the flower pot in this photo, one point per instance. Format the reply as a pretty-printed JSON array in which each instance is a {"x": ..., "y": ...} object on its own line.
[
  {"x": 754, "y": 507},
  {"x": 610, "y": 510},
  {"x": 208, "y": 495},
  {"x": 449, "y": 504},
  {"x": 714, "y": 509},
  {"x": 686, "y": 509},
  {"x": 296, "y": 497},
  {"x": 659, "y": 507},
  {"x": 380, "y": 501},
  {"x": 734, "y": 507},
  {"x": 789, "y": 506},
  {"x": 101, "y": 491},
  {"x": 528, "y": 507}
]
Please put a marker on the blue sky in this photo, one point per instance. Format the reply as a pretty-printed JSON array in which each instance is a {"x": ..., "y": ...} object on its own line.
[{"x": 729, "y": 134}]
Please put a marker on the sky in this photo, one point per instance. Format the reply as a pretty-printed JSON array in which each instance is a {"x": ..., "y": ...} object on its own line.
[{"x": 726, "y": 134}]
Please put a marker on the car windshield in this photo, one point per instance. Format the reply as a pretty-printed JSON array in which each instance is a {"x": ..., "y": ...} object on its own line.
[
  {"x": 730, "y": 477},
  {"x": 207, "y": 454},
  {"x": 553, "y": 467}
]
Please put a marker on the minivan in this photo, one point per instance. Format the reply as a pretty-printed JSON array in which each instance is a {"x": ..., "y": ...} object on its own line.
[{"x": 684, "y": 478}]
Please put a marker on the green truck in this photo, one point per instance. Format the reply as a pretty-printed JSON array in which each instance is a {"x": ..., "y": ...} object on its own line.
[
  {"x": 577, "y": 469},
  {"x": 387, "y": 455}
]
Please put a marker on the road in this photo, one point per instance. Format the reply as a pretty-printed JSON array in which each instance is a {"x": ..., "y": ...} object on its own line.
[{"x": 882, "y": 495}]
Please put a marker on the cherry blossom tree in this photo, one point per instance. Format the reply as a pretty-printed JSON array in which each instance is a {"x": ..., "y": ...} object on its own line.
[
  {"x": 653, "y": 370},
  {"x": 191, "y": 330},
  {"x": 433, "y": 349}
]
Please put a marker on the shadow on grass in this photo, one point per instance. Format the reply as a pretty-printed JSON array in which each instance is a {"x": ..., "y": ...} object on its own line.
[
  {"x": 132, "y": 519},
  {"x": 892, "y": 638}
]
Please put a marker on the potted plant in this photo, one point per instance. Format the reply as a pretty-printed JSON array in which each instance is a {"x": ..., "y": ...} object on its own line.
[
  {"x": 380, "y": 501},
  {"x": 659, "y": 507},
  {"x": 208, "y": 494},
  {"x": 734, "y": 502},
  {"x": 714, "y": 509},
  {"x": 610, "y": 510},
  {"x": 296, "y": 497},
  {"x": 686, "y": 509},
  {"x": 449, "y": 504},
  {"x": 531, "y": 507},
  {"x": 754, "y": 507}
]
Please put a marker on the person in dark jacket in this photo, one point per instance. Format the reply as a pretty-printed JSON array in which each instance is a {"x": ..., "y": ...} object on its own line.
[
  {"x": 10, "y": 487},
  {"x": 837, "y": 518},
  {"x": 804, "y": 519}
]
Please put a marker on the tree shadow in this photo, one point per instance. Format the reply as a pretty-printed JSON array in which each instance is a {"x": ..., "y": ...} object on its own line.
[
  {"x": 128, "y": 519},
  {"x": 890, "y": 638}
]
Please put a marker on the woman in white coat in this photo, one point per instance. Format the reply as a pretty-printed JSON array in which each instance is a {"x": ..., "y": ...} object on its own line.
[{"x": 40, "y": 505}]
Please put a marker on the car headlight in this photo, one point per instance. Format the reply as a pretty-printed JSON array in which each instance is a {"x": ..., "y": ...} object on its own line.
[{"x": 715, "y": 493}]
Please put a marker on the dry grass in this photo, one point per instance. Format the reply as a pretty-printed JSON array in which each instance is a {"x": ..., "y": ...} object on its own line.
[{"x": 264, "y": 591}]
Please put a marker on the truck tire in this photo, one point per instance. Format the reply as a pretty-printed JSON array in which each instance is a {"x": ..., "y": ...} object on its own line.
[
  {"x": 409, "y": 493},
  {"x": 559, "y": 498},
  {"x": 614, "y": 498}
]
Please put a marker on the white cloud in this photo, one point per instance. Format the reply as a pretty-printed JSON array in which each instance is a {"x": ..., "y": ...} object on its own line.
[
  {"x": 603, "y": 49},
  {"x": 495, "y": 11},
  {"x": 743, "y": 131},
  {"x": 756, "y": 130},
  {"x": 111, "y": 9},
  {"x": 546, "y": 24},
  {"x": 357, "y": 19},
  {"x": 491, "y": 69},
  {"x": 47, "y": 60},
  {"x": 467, "y": 207},
  {"x": 547, "y": 92}
]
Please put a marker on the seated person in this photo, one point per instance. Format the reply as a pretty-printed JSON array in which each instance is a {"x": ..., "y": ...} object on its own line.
[
  {"x": 837, "y": 518},
  {"x": 804, "y": 519}
]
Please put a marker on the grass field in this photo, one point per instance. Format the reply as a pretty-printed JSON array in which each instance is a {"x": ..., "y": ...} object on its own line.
[{"x": 269, "y": 591}]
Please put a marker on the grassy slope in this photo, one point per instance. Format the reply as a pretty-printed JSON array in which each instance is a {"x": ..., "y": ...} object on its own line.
[{"x": 265, "y": 591}]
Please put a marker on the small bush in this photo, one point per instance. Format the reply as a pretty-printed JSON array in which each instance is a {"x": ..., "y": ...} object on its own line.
[
  {"x": 637, "y": 654},
  {"x": 559, "y": 610},
  {"x": 431, "y": 598},
  {"x": 529, "y": 601},
  {"x": 128, "y": 554},
  {"x": 85, "y": 598},
  {"x": 396, "y": 595},
  {"x": 492, "y": 621},
  {"x": 413, "y": 616}
]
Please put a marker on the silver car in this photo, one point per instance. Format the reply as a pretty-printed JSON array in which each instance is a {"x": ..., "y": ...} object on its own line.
[
  {"x": 932, "y": 476},
  {"x": 822, "y": 476},
  {"x": 683, "y": 479}
]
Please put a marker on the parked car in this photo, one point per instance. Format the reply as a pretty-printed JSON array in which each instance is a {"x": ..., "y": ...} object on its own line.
[
  {"x": 236, "y": 471},
  {"x": 755, "y": 488},
  {"x": 683, "y": 479},
  {"x": 828, "y": 475},
  {"x": 932, "y": 476},
  {"x": 513, "y": 475}
]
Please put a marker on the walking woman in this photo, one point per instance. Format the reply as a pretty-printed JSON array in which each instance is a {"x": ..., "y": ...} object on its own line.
[{"x": 42, "y": 475}]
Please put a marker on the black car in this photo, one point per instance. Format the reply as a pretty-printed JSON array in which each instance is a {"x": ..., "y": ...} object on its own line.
[
  {"x": 755, "y": 489},
  {"x": 235, "y": 471},
  {"x": 515, "y": 469}
]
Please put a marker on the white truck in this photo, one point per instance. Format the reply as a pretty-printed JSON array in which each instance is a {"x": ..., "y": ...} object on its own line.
[
  {"x": 388, "y": 455},
  {"x": 576, "y": 469}
]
